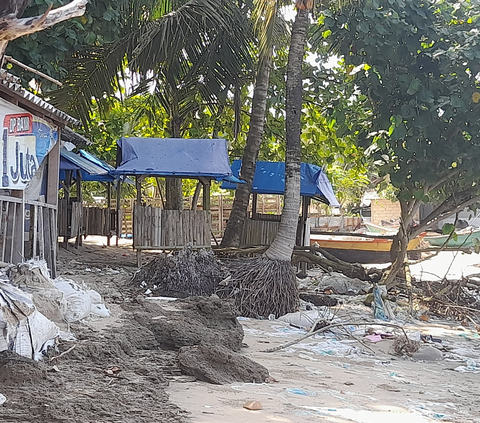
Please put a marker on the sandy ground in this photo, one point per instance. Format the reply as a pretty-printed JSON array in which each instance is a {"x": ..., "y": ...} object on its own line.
[
  {"x": 319, "y": 381},
  {"x": 331, "y": 378}
]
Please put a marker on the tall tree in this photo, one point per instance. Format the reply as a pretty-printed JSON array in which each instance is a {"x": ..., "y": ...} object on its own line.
[
  {"x": 418, "y": 64},
  {"x": 270, "y": 29},
  {"x": 196, "y": 47},
  {"x": 267, "y": 285}
]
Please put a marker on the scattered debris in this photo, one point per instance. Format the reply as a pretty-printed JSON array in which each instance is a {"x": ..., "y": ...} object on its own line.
[
  {"x": 25, "y": 330},
  {"x": 112, "y": 371},
  {"x": 253, "y": 405},
  {"x": 81, "y": 302},
  {"x": 427, "y": 353},
  {"x": 341, "y": 284},
  {"x": 318, "y": 300},
  {"x": 405, "y": 346}
]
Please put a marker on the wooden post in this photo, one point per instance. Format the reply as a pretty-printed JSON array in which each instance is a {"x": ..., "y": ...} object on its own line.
[
  {"x": 305, "y": 205},
  {"x": 119, "y": 220},
  {"x": 254, "y": 204},
  {"x": 66, "y": 199},
  {"x": 206, "y": 193},
  {"x": 109, "y": 214},
  {"x": 53, "y": 166},
  {"x": 78, "y": 183},
  {"x": 138, "y": 186}
]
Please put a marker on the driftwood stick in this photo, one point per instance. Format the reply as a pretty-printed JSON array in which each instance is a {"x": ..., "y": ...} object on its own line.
[
  {"x": 326, "y": 328},
  {"x": 63, "y": 353},
  {"x": 351, "y": 335}
]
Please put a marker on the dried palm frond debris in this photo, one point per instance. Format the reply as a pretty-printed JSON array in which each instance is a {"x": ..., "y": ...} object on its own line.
[
  {"x": 456, "y": 299},
  {"x": 404, "y": 346}
]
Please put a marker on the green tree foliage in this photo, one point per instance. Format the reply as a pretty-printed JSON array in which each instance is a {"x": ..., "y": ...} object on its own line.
[
  {"x": 418, "y": 64},
  {"x": 104, "y": 22}
]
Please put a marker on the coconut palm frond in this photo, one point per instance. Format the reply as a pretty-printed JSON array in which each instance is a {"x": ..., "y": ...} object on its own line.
[
  {"x": 201, "y": 40},
  {"x": 270, "y": 25}
]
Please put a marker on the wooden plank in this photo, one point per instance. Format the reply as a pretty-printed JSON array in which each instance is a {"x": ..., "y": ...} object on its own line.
[
  {"x": 208, "y": 227},
  {"x": 35, "y": 228},
  {"x": 13, "y": 225},
  {"x": 158, "y": 226},
  {"x": 52, "y": 176},
  {"x": 47, "y": 237},
  {"x": 41, "y": 233},
  {"x": 180, "y": 241},
  {"x": 4, "y": 228},
  {"x": 53, "y": 232},
  {"x": 168, "y": 222},
  {"x": 191, "y": 223},
  {"x": 186, "y": 226}
]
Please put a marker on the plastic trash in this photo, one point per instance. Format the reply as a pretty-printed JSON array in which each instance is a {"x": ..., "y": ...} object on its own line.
[
  {"x": 306, "y": 319},
  {"x": 298, "y": 391},
  {"x": 378, "y": 304},
  {"x": 3, "y": 398},
  {"x": 33, "y": 277}
]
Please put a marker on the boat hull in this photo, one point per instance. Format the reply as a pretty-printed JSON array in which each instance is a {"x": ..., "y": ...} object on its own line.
[
  {"x": 464, "y": 240},
  {"x": 363, "y": 251}
]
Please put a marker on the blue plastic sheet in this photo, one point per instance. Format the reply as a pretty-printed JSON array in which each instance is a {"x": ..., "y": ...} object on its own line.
[
  {"x": 185, "y": 158},
  {"x": 270, "y": 179}
]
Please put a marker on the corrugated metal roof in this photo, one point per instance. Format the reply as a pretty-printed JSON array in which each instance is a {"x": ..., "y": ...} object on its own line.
[
  {"x": 12, "y": 82},
  {"x": 84, "y": 164},
  {"x": 75, "y": 138}
]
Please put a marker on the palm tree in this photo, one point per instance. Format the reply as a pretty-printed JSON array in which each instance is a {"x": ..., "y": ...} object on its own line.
[
  {"x": 202, "y": 47},
  {"x": 271, "y": 28},
  {"x": 267, "y": 285}
]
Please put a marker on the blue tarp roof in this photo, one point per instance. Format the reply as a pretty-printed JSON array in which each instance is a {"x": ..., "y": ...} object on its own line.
[
  {"x": 180, "y": 157},
  {"x": 270, "y": 179}
]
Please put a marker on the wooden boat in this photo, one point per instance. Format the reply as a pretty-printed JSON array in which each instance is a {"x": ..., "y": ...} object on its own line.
[
  {"x": 378, "y": 229},
  {"x": 358, "y": 249},
  {"x": 465, "y": 238}
]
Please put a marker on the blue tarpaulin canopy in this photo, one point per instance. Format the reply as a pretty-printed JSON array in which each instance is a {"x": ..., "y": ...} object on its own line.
[
  {"x": 178, "y": 157},
  {"x": 270, "y": 179}
]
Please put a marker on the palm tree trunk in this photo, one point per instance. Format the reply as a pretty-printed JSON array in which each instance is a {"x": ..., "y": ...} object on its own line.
[
  {"x": 233, "y": 231},
  {"x": 282, "y": 246},
  {"x": 173, "y": 186}
]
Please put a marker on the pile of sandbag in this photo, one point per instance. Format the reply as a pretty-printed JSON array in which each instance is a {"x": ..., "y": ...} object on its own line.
[{"x": 32, "y": 304}]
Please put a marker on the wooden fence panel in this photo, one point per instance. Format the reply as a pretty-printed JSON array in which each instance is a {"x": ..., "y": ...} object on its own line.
[
  {"x": 259, "y": 232},
  {"x": 163, "y": 229}
]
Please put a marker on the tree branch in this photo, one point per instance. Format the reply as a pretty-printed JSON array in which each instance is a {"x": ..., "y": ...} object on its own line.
[
  {"x": 11, "y": 27},
  {"x": 447, "y": 209}
]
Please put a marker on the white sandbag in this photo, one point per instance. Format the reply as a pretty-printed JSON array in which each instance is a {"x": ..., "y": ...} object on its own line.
[
  {"x": 80, "y": 302},
  {"x": 33, "y": 277},
  {"x": 307, "y": 319},
  {"x": 25, "y": 330}
]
